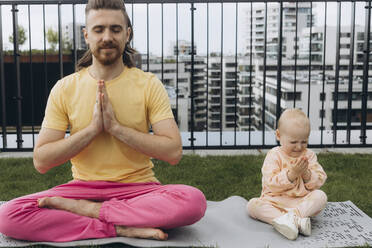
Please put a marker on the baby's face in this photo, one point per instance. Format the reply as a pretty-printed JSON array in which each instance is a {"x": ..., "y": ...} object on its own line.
[{"x": 293, "y": 140}]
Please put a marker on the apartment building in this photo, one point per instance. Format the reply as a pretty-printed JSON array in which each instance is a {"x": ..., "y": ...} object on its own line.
[
  {"x": 318, "y": 38},
  {"x": 309, "y": 80},
  {"x": 317, "y": 47},
  {"x": 199, "y": 91},
  {"x": 321, "y": 109},
  {"x": 245, "y": 94},
  {"x": 180, "y": 79},
  {"x": 222, "y": 93},
  {"x": 294, "y": 94},
  {"x": 177, "y": 83},
  {"x": 304, "y": 19}
]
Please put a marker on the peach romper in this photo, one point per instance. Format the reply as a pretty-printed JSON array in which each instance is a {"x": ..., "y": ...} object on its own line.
[{"x": 279, "y": 195}]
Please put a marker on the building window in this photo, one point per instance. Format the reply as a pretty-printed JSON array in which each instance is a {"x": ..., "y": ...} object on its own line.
[
  {"x": 356, "y": 115},
  {"x": 230, "y": 65},
  {"x": 228, "y": 125},
  {"x": 182, "y": 80},
  {"x": 270, "y": 121},
  {"x": 271, "y": 91},
  {"x": 291, "y": 96},
  {"x": 360, "y": 36}
]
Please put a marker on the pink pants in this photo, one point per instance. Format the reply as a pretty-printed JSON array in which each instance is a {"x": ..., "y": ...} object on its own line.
[
  {"x": 131, "y": 204},
  {"x": 267, "y": 210}
]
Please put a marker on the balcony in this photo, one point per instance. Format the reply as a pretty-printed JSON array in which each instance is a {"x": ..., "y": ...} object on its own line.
[
  {"x": 215, "y": 84},
  {"x": 215, "y": 117},
  {"x": 230, "y": 84},
  {"x": 214, "y": 109}
]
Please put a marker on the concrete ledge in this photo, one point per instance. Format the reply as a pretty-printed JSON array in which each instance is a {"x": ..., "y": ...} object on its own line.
[
  {"x": 264, "y": 151},
  {"x": 16, "y": 154}
]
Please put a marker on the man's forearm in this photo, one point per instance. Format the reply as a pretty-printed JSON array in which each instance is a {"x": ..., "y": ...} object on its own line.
[
  {"x": 56, "y": 153},
  {"x": 156, "y": 146}
]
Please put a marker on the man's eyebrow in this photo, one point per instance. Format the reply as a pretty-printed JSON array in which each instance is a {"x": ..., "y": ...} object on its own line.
[
  {"x": 111, "y": 26},
  {"x": 116, "y": 26},
  {"x": 98, "y": 26}
]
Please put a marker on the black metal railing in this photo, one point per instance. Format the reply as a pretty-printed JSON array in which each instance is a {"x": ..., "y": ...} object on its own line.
[{"x": 217, "y": 115}]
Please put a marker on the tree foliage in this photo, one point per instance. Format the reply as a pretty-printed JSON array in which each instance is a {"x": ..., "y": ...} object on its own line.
[
  {"x": 22, "y": 36},
  {"x": 53, "y": 40}
]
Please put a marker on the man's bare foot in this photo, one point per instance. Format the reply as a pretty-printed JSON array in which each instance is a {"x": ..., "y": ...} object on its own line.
[
  {"x": 80, "y": 207},
  {"x": 143, "y": 233}
]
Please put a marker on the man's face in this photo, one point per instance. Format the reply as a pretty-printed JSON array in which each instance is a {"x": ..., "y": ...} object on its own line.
[{"x": 106, "y": 34}]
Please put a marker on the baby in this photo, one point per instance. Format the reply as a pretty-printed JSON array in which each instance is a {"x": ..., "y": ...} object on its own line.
[{"x": 291, "y": 178}]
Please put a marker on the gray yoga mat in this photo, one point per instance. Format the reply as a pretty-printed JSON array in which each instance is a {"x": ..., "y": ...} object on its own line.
[{"x": 226, "y": 225}]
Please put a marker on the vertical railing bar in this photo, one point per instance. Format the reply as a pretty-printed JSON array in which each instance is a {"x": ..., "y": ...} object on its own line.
[
  {"x": 148, "y": 37},
  {"x": 60, "y": 42},
  {"x": 162, "y": 43},
  {"x": 221, "y": 77},
  {"x": 324, "y": 65},
  {"x": 296, "y": 49},
  {"x": 366, "y": 51},
  {"x": 279, "y": 73},
  {"x": 2, "y": 79},
  {"x": 351, "y": 70},
  {"x": 335, "y": 98},
  {"x": 18, "y": 97},
  {"x": 264, "y": 79},
  {"x": 310, "y": 50},
  {"x": 177, "y": 88},
  {"x": 74, "y": 33},
  {"x": 192, "y": 76},
  {"x": 236, "y": 68},
  {"x": 31, "y": 78},
  {"x": 250, "y": 77},
  {"x": 46, "y": 90},
  {"x": 207, "y": 115}
]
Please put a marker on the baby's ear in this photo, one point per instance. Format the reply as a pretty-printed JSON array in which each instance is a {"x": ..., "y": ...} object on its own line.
[{"x": 277, "y": 134}]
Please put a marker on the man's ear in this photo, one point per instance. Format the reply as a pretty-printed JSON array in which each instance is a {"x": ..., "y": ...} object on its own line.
[
  {"x": 277, "y": 134},
  {"x": 129, "y": 31},
  {"x": 85, "y": 32}
]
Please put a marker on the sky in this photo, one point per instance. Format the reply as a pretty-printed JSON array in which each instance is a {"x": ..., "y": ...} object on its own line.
[{"x": 139, "y": 19}]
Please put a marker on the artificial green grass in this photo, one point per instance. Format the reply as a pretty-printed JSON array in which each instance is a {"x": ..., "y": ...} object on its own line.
[{"x": 349, "y": 177}]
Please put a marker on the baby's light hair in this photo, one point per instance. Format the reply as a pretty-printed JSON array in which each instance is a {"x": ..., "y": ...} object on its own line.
[{"x": 294, "y": 115}]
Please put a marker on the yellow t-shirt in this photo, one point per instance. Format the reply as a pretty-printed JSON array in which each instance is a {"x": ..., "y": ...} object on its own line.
[{"x": 139, "y": 100}]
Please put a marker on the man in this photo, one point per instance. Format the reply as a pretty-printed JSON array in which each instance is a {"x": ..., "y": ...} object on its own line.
[{"x": 108, "y": 106}]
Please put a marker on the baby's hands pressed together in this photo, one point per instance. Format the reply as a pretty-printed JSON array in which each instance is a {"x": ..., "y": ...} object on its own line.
[
  {"x": 298, "y": 168},
  {"x": 301, "y": 165}
]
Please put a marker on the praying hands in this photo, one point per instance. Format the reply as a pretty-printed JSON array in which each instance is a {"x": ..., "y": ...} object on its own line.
[{"x": 103, "y": 113}]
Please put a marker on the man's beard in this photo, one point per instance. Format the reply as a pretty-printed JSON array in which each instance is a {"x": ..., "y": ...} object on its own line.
[{"x": 107, "y": 58}]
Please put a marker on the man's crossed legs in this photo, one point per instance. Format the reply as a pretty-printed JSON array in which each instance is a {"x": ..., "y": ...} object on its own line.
[{"x": 82, "y": 210}]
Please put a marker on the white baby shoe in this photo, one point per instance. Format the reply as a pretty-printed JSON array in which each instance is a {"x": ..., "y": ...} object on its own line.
[
  {"x": 304, "y": 226},
  {"x": 287, "y": 225}
]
